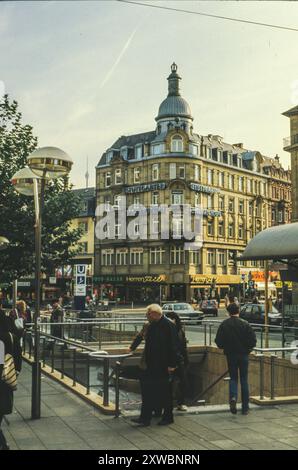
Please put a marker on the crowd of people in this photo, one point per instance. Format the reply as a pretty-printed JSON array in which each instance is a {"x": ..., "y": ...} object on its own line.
[
  {"x": 164, "y": 361},
  {"x": 163, "y": 365}
]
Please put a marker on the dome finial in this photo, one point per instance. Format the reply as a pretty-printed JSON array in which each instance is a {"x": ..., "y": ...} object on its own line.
[
  {"x": 174, "y": 81},
  {"x": 174, "y": 67}
]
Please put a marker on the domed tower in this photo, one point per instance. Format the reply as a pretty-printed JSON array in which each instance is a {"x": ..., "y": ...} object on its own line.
[{"x": 174, "y": 111}]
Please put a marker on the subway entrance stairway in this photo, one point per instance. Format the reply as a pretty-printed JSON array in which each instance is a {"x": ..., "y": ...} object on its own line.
[{"x": 68, "y": 422}]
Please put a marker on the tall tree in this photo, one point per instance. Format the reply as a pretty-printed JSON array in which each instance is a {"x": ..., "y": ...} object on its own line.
[{"x": 59, "y": 241}]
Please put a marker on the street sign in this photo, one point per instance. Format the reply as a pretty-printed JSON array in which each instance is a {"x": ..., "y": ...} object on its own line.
[
  {"x": 80, "y": 280},
  {"x": 80, "y": 291},
  {"x": 81, "y": 269}
]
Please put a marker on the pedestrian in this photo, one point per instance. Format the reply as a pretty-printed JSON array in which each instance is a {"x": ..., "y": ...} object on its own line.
[
  {"x": 57, "y": 317},
  {"x": 159, "y": 363},
  {"x": 278, "y": 304},
  {"x": 180, "y": 373},
  {"x": 10, "y": 345},
  {"x": 141, "y": 336},
  {"x": 237, "y": 338}
]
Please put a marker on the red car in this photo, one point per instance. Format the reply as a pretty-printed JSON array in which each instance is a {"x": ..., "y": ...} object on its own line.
[{"x": 209, "y": 307}]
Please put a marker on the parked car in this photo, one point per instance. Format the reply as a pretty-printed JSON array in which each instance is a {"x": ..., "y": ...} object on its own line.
[
  {"x": 209, "y": 307},
  {"x": 184, "y": 310},
  {"x": 255, "y": 313}
]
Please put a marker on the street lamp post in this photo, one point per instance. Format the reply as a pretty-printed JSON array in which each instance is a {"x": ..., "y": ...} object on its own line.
[{"x": 44, "y": 164}]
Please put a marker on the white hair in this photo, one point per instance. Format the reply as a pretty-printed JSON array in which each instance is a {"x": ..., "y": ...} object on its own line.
[{"x": 154, "y": 308}]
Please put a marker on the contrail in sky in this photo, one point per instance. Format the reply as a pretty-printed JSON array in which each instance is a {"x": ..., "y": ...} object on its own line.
[{"x": 124, "y": 49}]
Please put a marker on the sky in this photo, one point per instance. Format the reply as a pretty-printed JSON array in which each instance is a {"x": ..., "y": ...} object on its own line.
[{"x": 86, "y": 72}]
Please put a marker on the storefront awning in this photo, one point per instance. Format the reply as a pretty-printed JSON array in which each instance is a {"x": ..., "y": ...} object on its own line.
[{"x": 275, "y": 243}]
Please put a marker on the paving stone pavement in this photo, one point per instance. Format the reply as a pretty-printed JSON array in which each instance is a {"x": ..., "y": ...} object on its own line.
[{"x": 68, "y": 423}]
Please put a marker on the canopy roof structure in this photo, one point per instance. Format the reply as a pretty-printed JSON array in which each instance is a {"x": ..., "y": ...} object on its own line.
[{"x": 274, "y": 243}]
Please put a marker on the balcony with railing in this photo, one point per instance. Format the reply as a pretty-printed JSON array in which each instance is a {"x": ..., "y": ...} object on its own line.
[{"x": 290, "y": 142}]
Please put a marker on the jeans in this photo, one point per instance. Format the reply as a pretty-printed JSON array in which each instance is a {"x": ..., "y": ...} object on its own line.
[{"x": 239, "y": 362}]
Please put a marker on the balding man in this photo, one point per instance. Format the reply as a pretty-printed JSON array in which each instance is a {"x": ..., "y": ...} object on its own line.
[{"x": 159, "y": 361}]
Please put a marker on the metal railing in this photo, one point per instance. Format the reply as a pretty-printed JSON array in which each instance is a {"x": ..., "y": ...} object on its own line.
[
  {"x": 275, "y": 333},
  {"x": 262, "y": 353},
  {"x": 76, "y": 362},
  {"x": 75, "y": 350}
]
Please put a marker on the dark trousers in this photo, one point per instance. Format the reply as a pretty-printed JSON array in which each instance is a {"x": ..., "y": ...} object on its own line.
[
  {"x": 156, "y": 389},
  {"x": 238, "y": 365},
  {"x": 181, "y": 383},
  {"x": 2, "y": 437}
]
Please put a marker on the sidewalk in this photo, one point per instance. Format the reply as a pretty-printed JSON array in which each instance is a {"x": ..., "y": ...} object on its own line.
[{"x": 69, "y": 423}]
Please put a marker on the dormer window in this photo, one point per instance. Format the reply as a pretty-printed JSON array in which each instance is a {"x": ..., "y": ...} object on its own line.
[
  {"x": 177, "y": 144},
  {"x": 139, "y": 151},
  {"x": 109, "y": 156},
  {"x": 124, "y": 152}
]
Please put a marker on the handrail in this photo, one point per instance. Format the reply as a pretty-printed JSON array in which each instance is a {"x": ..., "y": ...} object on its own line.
[
  {"x": 216, "y": 381},
  {"x": 89, "y": 354},
  {"x": 289, "y": 349}
]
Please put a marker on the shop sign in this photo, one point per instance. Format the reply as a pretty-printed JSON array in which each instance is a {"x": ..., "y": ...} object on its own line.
[
  {"x": 201, "y": 279},
  {"x": 108, "y": 279},
  {"x": 217, "y": 279},
  {"x": 200, "y": 188},
  {"x": 147, "y": 279},
  {"x": 52, "y": 280},
  {"x": 259, "y": 276},
  {"x": 137, "y": 250},
  {"x": 142, "y": 188},
  {"x": 24, "y": 284},
  {"x": 289, "y": 284}
]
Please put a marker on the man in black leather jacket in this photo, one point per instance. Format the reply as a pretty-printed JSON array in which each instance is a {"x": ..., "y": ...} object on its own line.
[{"x": 237, "y": 338}]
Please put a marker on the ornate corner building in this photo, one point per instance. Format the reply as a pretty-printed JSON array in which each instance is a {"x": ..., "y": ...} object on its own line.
[{"x": 240, "y": 191}]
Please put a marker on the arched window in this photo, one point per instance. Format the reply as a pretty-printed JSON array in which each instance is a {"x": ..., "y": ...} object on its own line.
[{"x": 177, "y": 144}]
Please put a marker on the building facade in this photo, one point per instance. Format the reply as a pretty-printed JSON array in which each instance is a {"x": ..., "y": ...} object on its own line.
[
  {"x": 291, "y": 146},
  {"x": 173, "y": 165}
]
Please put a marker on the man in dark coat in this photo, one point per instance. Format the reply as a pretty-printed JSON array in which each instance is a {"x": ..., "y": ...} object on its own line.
[
  {"x": 159, "y": 362},
  {"x": 237, "y": 338}
]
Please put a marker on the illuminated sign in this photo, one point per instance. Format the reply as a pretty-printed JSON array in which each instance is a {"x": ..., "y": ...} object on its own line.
[
  {"x": 142, "y": 188},
  {"x": 200, "y": 188}
]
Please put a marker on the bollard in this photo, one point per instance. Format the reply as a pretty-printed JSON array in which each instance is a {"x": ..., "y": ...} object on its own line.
[
  {"x": 205, "y": 334},
  {"x": 117, "y": 390},
  {"x": 272, "y": 370},
  {"x": 44, "y": 353},
  {"x": 261, "y": 377},
  {"x": 53, "y": 355},
  {"x": 88, "y": 373},
  {"x": 24, "y": 342},
  {"x": 62, "y": 361},
  {"x": 261, "y": 337},
  {"x": 106, "y": 382},
  {"x": 210, "y": 342},
  {"x": 74, "y": 367},
  {"x": 30, "y": 346}
]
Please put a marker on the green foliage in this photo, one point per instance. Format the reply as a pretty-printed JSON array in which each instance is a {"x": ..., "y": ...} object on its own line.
[{"x": 17, "y": 211}]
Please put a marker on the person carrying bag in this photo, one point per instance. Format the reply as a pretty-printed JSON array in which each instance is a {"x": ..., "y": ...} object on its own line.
[{"x": 10, "y": 366}]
